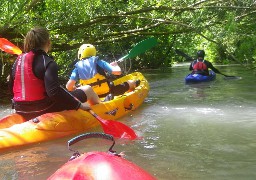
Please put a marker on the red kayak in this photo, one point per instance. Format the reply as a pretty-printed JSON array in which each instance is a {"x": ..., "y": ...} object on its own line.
[{"x": 99, "y": 165}]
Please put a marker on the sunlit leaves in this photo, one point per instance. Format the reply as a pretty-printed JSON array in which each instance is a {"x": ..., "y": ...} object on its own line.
[{"x": 114, "y": 25}]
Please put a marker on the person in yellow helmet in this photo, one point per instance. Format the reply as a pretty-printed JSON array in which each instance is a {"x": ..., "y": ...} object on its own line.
[{"x": 90, "y": 70}]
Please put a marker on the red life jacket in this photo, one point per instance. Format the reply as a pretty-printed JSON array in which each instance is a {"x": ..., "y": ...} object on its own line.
[
  {"x": 200, "y": 66},
  {"x": 27, "y": 87}
]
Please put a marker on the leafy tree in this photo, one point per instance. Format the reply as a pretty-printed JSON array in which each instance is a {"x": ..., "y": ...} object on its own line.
[{"x": 225, "y": 29}]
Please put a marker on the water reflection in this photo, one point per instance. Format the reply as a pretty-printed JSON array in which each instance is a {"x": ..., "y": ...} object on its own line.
[{"x": 199, "y": 89}]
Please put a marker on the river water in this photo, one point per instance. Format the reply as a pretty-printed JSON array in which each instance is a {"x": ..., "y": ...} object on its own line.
[{"x": 203, "y": 131}]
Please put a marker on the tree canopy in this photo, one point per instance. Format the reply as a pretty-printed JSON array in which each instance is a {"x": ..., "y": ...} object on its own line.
[{"x": 224, "y": 29}]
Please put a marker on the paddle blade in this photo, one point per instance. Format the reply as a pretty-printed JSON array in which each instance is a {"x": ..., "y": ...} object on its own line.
[
  {"x": 115, "y": 128},
  {"x": 8, "y": 47},
  {"x": 232, "y": 77},
  {"x": 140, "y": 47},
  {"x": 118, "y": 129}
]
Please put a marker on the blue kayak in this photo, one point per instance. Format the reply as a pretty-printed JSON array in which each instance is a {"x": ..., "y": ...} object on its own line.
[{"x": 196, "y": 78}]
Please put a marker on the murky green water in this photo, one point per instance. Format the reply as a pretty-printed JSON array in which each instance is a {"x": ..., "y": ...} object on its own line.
[{"x": 204, "y": 131}]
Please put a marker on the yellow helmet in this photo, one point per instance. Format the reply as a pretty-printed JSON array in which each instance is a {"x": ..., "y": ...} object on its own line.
[{"x": 86, "y": 50}]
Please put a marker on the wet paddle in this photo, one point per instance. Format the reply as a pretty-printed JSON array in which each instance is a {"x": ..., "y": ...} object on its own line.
[
  {"x": 115, "y": 128},
  {"x": 139, "y": 48},
  {"x": 8, "y": 47}
]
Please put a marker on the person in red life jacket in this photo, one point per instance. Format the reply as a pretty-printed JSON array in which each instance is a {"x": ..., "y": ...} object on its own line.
[
  {"x": 90, "y": 70},
  {"x": 201, "y": 66},
  {"x": 35, "y": 84}
]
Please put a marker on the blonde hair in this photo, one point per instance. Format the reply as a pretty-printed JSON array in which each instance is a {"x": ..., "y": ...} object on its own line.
[{"x": 36, "y": 38}]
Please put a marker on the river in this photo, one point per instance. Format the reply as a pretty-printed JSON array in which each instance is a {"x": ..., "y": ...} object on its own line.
[{"x": 191, "y": 132}]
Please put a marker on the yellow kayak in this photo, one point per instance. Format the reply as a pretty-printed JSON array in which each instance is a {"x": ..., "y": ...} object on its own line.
[{"x": 14, "y": 131}]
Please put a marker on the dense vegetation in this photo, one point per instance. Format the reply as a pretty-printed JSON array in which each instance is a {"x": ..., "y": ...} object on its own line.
[{"x": 225, "y": 29}]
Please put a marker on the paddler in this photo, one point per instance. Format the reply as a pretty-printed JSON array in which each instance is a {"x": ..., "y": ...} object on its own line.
[
  {"x": 201, "y": 66},
  {"x": 35, "y": 83},
  {"x": 91, "y": 70}
]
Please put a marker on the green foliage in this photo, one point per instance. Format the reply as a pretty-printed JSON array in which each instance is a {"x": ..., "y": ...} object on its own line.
[
  {"x": 245, "y": 50},
  {"x": 224, "y": 29}
]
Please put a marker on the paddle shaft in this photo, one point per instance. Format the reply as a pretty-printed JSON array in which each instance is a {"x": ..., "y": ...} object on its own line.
[{"x": 94, "y": 114}]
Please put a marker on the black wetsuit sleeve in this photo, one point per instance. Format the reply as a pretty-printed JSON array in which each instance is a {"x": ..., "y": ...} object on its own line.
[
  {"x": 190, "y": 67},
  {"x": 209, "y": 65},
  {"x": 55, "y": 91}
]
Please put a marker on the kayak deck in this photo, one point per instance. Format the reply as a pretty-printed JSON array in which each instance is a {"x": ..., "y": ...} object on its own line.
[{"x": 196, "y": 78}]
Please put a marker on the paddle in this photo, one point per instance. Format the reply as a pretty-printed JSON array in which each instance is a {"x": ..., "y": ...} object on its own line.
[
  {"x": 189, "y": 57},
  {"x": 139, "y": 48},
  {"x": 8, "y": 47},
  {"x": 230, "y": 77},
  {"x": 181, "y": 53},
  {"x": 115, "y": 128}
]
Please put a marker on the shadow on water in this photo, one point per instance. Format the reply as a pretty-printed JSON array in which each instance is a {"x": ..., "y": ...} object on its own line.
[{"x": 199, "y": 131}]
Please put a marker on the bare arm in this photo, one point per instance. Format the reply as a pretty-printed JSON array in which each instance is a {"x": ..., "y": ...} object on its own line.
[
  {"x": 116, "y": 70},
  {"x": 71, "y": 85}
]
